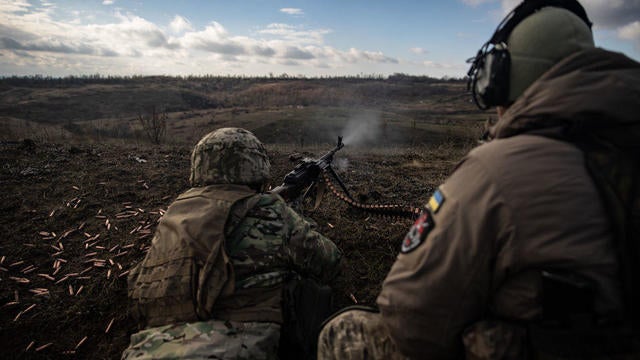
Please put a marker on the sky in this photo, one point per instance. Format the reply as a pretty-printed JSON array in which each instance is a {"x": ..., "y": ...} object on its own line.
[{"x": 262, "y": 37}]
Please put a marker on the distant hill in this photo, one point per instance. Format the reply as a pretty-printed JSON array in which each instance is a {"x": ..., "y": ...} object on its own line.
[{"x": 107, "y": 107}]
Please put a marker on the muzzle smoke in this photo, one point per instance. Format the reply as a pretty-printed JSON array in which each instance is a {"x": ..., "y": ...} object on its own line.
[
  {"x": 363, "y": 129},
  {"x": 341, "y": 164}
]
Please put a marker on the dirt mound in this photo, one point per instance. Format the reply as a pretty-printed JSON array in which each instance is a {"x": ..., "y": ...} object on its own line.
[{"x": 75, "y": 219}]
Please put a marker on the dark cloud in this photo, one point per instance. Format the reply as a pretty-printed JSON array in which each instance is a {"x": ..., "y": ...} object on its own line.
[
  {"x": 389, "y": 60},
  {"x": 263, "y": 51},
  {"x": 23, "y": 54},
  {"x": 224, "y": 48},
  {"x": 155, "y": 39},
  {"x": 612, "y": 13},
  {"x": 54, "y": 46},
  {"x": 14, "y": 33},
  {"x": 229, "y": 58},
  {"x": 7, "y": 43},
  {"x": 108, "y": 53},
  {"x": 297, "y": 53},
  {"x": 172, "y": 45},
  {"x": 289, "y": 63}
]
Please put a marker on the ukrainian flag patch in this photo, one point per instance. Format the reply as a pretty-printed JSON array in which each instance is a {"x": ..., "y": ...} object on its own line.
[{"x": 436, "y": 201}]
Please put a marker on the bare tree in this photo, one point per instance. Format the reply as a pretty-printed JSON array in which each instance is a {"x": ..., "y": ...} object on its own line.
[{"x": 154, "y": 125}]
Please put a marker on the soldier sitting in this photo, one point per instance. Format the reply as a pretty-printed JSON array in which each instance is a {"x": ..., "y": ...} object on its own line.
[{"x": 529, "y": 250}]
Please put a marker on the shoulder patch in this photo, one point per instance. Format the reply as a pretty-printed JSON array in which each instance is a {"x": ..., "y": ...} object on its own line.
[
  {"x": 436, "y": 201},
  {"x": 418, "y": 232}
]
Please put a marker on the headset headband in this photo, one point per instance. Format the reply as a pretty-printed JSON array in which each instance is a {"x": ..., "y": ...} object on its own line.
[{"x": 528, "y": 7}]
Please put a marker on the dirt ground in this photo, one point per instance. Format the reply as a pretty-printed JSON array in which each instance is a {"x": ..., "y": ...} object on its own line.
[{"x": 75, "y": 218}]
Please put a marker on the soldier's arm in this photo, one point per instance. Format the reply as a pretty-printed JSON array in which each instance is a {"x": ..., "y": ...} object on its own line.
[
  {"x": 441, "y": 283},
  {"x": 311, "y": 253}
]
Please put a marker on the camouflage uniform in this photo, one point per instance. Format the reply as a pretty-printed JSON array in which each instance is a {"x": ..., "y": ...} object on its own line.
[
  {"x": 229, "y": 307},
  {"x": 213, "y": 339},
  {"x": 356, "y": 334}
]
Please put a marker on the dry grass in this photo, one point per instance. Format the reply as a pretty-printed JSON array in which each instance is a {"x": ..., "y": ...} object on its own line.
[{"x": 79, "y": 207}]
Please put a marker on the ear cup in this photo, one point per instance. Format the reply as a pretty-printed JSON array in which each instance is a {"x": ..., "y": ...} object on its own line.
[{"x": 491, "y": 83}]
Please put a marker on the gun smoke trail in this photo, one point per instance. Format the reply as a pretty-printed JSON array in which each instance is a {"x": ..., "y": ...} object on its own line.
[{"x": 363, "y": 129}]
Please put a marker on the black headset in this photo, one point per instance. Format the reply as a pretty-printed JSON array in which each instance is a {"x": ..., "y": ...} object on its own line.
[{"x": 489, "y": 72}]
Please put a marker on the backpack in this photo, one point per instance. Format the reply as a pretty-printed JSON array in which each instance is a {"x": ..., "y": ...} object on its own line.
[
  {"x": 613, "y": 161},
  {"x": 612, "y": 158}
]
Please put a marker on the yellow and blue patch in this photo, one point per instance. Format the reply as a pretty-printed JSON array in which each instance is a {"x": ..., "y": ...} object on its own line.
[{"x": 436, "y": 201}]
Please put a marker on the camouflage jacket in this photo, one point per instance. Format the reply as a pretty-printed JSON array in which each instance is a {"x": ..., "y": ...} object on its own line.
[
  {"x": 224, "y": 252},
  {"x": 270, "y": 244}
]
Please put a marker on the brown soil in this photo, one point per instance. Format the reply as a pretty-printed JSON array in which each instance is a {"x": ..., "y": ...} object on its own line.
[{"x": 75, "y": 219}]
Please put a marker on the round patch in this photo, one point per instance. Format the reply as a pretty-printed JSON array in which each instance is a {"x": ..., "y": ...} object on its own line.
[{"x": 418, "y": 232}]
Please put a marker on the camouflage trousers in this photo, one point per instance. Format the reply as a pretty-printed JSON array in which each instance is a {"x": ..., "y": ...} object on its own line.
[
  {"x": 214, "y": 339},
  {"x": 356, "y": 334}
]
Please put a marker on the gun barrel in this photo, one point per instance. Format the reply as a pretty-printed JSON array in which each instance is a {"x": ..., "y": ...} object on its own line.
[{"x": 327, "y": 158}]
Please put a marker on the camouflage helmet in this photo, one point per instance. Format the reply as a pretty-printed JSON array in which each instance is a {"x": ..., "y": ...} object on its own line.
[{"x": 229, "y": 156}]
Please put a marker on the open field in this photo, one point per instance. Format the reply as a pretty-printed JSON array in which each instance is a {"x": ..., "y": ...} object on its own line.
[{"x": 80, "y": 202}]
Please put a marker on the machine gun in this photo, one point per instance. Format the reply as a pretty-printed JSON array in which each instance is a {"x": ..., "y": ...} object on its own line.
[
  {"x": 306, "y": 178},
  {"x": 313, "y": 176}
]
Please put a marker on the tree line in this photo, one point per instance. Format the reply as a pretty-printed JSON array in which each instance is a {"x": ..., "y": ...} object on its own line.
[{"x": 223, "y": 81}]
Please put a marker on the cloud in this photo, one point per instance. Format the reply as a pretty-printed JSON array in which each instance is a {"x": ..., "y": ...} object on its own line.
[
  {"x": 508, "y": 5},
  {"x": 14, "y": 6},
  {"x": 475, "y": 3},
  {"x": 107, "y": 2},
  {"x": 13, "y": 32},
  {"x": 262, "y": 50},
  {"x": 180, "y": 24},
  {"x": 55, "y": 46},
  {"x": 34, "y": 40},
  {"x": 295, "y": 34},
  {"x": 418, "y": 50},
  {"x": 131, "y": 33},
  {"x": 631, "y": 32},
  {"x": 212, "y": 32},
  {"x": 438, "y": 65},
  {"x": 296, "y": 53},
  {"x": 292, "y": 11},
  {"x": 224, "y": 48},
  {"x": 608, "y": 14},
  {"x": 615, "y": 15},
  {"x": 612, "y": 13},
  {"x": 355, "y": 55},
  {"x": 7, "y": 43},
  {"x": 214, "y": 38},
  {"x": 288, "y": 62}
]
